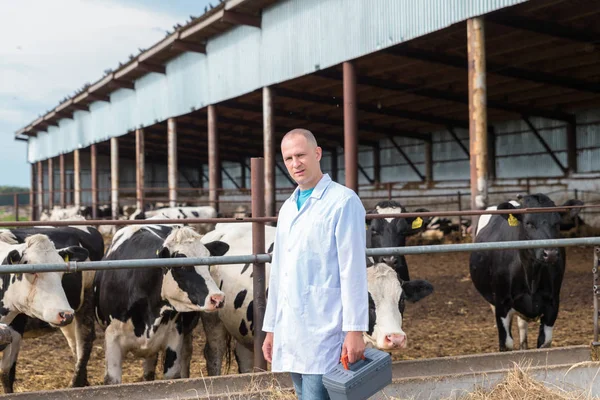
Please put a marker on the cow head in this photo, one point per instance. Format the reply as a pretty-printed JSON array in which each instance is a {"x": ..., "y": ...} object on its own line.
[
  {"x": 387, "y": 296},
  {"x": 538, "y": 226},
  {"x": 392, "y": 232},
  {"x": 190, "y": 288},
  {"x": 39, "y": 295}
]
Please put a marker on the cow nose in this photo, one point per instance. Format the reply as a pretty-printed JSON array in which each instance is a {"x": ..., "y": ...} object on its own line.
[
  {"x": 395, "y": 340},
  {"x": 65, "y": 318},
  {"x": 217, "y": 301},
  {"x": 389, "y": 260},
  {"x": 550, "y": 255}
]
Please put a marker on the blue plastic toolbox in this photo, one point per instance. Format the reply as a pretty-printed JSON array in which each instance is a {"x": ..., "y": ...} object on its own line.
[{"x": 362, "y": 379}]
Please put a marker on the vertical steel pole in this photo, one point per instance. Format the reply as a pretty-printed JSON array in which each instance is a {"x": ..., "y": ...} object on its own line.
[
  {"x": 40, "y": 188},
  {"x": 258, "y": 272},
  {"x": 32, "y": 186},
  {"x": 350, "y": 127},
  {"x": 214, "y": 168},
  {"x": 269, "y": 151},
  {"x": 596, "y": 290},
  {"x": 172, "y": 157},
  {"x": 571, "y": 148},
  {"x": 63, "y": 187},
  {"x": 140, "y": 164},
  {"x": 429, "y": 162},
  {"x": 477, "y": 115},
  {"x": 114, "y": 177},
  {"x": 77, "y": 177},
  {"x": 16, "y": 205},
  {"x": 94, "y": 172},
  {"x": 50, "y": 184}
]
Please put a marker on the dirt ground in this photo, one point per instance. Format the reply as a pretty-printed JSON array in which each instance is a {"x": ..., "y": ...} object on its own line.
[{"x": 454, "y": 320}]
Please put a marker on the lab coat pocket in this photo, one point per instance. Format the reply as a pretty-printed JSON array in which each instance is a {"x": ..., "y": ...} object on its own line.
[{"x": 323, "y": 308}]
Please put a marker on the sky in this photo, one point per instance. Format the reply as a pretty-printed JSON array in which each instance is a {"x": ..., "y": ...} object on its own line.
[{"x": 49, "y": 49}]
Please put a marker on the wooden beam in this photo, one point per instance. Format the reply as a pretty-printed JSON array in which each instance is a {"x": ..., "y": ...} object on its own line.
[
  {"x": 498, "y": 69},
  {"x": 80, "y": 107},
  {"x": 408, "y": 160},
  {"x": 151, "y": 67},
  {"x": 237, "y": 18},
  {"x": 98, "y": 97},
  {"x": 544, "y": 27},
  {"x": 182, "y": 45},
  {"x": 389, "y": 111},
  {"x": 545, "y": 145},
  {"x": 121, "y": 84},
  {"x": 448, "y": 95}
]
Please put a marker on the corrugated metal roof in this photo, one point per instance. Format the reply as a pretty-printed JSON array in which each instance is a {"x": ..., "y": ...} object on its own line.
[{"x": 296, "y": 37}]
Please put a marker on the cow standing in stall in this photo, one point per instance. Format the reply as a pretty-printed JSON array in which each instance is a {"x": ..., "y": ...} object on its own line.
[
  {"x": 149, "y": 310},
  {"x": 524, "y": 282},
  {"x": 36, "y": 295},
  {"x": 387, "y": 295},
  {"x": 80, "y": 334}
]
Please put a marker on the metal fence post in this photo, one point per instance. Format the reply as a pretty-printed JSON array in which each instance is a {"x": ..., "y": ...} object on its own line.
[
  {"x": 16, "y": 206},
  {"x": 257, "y": 168},
  {"x": 596, "y": 290}
]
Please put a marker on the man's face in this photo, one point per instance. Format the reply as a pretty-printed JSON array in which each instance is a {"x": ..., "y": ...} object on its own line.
[{"x": 302, "y": 160}]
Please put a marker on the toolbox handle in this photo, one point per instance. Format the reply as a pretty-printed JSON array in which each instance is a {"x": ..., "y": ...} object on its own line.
[{"x": 344, "y": 360}]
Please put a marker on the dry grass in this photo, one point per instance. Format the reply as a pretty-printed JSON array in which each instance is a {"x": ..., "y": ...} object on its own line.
[{"x": 519, "y": 384}]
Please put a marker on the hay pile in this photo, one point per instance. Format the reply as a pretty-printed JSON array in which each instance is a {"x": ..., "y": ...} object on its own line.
[{"x": 519, "y": 384}]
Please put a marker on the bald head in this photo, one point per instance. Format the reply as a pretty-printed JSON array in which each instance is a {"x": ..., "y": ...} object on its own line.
[{"x": 310, "y": 138}]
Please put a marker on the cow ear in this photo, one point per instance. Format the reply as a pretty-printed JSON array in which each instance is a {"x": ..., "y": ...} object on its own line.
[
  {"x": 509, "y": 217},
  {"x": 163, "y": 252},
  {"x": 14, "y": 257},
  {"x": 573, "y": 212},
  {"x": 74, "y": 253},
  {"x": 417, "y": 224},
  {"x": 217, "y": 248},
  {"x": 417, "y": 289}
]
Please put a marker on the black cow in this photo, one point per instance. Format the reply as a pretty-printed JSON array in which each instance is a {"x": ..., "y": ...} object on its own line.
[
  {"x": 392, "y": 232},
  {"x": 80, "y": 334},
  {"x": 149, "y": 310},
  {"x": 524, "y": 282}
]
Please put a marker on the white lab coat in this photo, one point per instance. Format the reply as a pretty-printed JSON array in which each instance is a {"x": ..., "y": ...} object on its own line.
[{"x": 318, "y": 282}]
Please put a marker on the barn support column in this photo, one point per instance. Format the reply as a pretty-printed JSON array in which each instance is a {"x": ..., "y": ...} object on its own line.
[
  {"x": 242, "y": 174},
  {"x": 477, "y": 115},
  {"x": 77, "y": 178},
  {"x": 63, "y": 187},
  {"x": 172, "y": 149},
  {"x": 377, "y": 164},
  {"x": 350, "y": 127},
  {"x": 214, "y": 167},
  {"x": 572, "y": 148},
  {"x": 491, "y": 153},
  {"x": 40, "y": 188},
  {"x": 269, "y": 151},
  {"x": 428, "y": 145},
  {"x": 139, "y": 168},
  {"x": 50, "y": 184},
  {"x": 334, "y": 164},
  {"x": 114, "y": 177},
  {"x": 32, "y": 190},
  {"x": 94, "y": 173}
]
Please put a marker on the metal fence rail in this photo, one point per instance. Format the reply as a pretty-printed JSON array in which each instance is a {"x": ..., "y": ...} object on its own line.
[{"x": 72, "y": 266}]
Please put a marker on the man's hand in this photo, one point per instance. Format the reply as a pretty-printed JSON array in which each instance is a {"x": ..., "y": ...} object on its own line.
[
  {"x": 354, "y": 346},
  {"x": 267, "y": 347}
]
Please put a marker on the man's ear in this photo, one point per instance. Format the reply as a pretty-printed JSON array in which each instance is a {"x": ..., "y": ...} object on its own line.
[{"x": 319, "y": 151}]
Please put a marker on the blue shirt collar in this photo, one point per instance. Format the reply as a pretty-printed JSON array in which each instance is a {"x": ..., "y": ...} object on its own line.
[{"x": 318, "y": 190}]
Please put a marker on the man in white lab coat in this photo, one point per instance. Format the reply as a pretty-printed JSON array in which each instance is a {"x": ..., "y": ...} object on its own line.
[{"x": 318, "y": 306}]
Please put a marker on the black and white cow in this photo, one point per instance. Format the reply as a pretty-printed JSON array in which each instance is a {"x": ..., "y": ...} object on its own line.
[
  {"x": 524, "y": 282},
  {"x": 392, "y": 232},
  {"x": 148, "y": 310},
  {"x": 36, "y": 295},
  {"x": 387, "y": 295},
  {"x": 180, "y": 213},
  {"x": 80, "y": 334}
]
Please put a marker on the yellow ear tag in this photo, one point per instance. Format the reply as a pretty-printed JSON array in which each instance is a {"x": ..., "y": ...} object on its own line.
[
  {"x": 417, "y": 223},
  {"x": 157, "y": 251},
  {"x": 512, "y": 220},
  {"x": 66, "y": 258}
]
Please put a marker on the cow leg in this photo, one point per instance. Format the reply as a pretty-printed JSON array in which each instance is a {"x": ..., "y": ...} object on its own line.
[
  {"x": 150, "y": 367},
  {"x": 186, "y": 354},
  {"x": 504, "y": 323},
  {"x": 522, "y": 333},
  {"x": 114, "y": 358},
  {"x": 216, "y": 342},
  {"x": 8, "y": 366},
  {"x": 547, "y": 325},
  {"x": 172, "y": 358},
  {"x": 86, "y": 334},
  {"x": 244, "y": 358}
]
